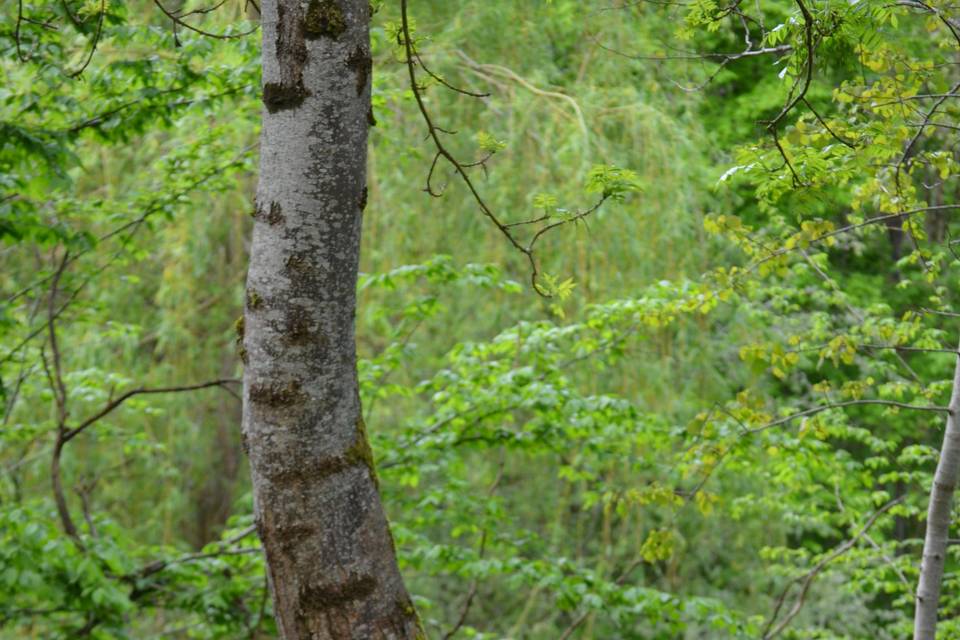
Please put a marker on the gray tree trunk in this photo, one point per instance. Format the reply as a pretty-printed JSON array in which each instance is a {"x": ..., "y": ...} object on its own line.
[
  {"x": 330, "y": 555},
  {"x": 938, "y": 521}
]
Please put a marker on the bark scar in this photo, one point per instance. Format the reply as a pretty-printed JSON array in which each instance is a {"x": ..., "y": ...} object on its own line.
[
  {"x": 360, "y": 63},
  {"x": 276, "y": 395},
  {"x": 314, "y": 597},
  {"x": 291, "y": 51}
]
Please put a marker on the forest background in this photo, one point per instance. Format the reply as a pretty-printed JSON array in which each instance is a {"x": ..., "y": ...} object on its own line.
[{"x": 721, "y": 421}]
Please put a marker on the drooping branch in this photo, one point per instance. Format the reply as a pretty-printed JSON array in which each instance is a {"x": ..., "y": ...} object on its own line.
[
  {"x": 64, "y": 434},
  {"x": 460, "y": 168},
  {"x": 500, "y": 70}
]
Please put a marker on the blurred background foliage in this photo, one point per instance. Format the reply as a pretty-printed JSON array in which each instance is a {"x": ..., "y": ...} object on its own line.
[{"x": 545, "y": 468}]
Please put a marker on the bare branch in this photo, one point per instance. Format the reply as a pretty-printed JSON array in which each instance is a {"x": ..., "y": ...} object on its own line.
[
  {"x": 115, "y": 404},
  {"x": 223, "y": 549}
]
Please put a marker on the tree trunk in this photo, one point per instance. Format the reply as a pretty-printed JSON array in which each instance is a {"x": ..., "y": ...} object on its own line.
[
  {"x": 330, "y": 555},
  {"x": 938, "y": 521}
]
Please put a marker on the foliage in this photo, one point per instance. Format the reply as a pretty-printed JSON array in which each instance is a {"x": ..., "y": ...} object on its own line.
[{"x": 723, "y": 425}]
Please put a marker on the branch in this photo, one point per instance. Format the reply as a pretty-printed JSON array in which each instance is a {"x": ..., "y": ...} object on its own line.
[
  {"x": 849, "y": 228},
  {"x": 804, "y": 85},
  {"x": 848, "y": 403},
  {"x": 727, "y": 57},
  {"x": 432, "y": 131},
  {"x": 60, "y": 394},
  {"x": 178, "y": 20},
  {"x": 460, "y": 168},
  {"x": 113, "y": 405},
  {"x": 96, "y": 41},
  {"x": 222, "y": 550},
  {"x": 806, "y": 580}
]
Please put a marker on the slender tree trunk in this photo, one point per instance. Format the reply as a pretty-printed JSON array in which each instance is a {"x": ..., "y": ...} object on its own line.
[
  {"x": 330, "y": 556},
  {"x": 938, "y": 521}
]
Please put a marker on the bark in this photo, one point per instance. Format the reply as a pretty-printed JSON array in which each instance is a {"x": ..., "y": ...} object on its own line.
[
  {"x": 938, "y": 521},
  {"x": 330, "y": 555}
]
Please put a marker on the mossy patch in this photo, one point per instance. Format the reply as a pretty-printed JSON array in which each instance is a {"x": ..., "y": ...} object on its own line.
[
  {"x": 254, "y": 300},
  {"x": 363, "y": 199},
  {"x": 239, "y": 329},
  {"x": 360, "y": 451},
  {"x": 406, "y": 606},
  {"x": 324, "y": 19},
  {"x": 359, "y": 454}
]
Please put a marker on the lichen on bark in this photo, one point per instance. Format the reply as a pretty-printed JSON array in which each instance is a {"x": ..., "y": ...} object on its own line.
[
  {"x": 254, "y": 300},
  {"x": 238, "y": 327}
]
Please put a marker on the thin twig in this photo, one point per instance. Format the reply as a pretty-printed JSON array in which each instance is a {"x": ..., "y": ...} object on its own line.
[
  {"x": 219, "y": 36},
  {"x": 771, "y": 631},
  {"x": 848, "y": 403},
  {"x": 93, "y": 45},
  {"x": 475, "y": 584}
]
